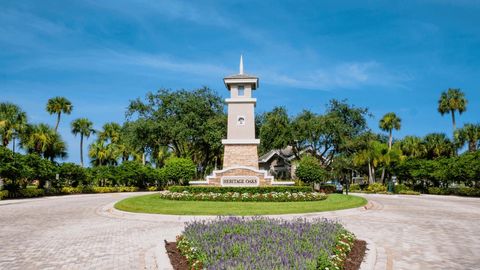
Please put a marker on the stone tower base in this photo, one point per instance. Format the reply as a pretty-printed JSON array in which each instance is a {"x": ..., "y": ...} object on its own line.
[{"x": 240, "y": 155}]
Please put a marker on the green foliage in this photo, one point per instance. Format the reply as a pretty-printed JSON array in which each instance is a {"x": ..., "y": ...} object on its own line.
[
  {"x": 30, "y": 193},
  {"x": 12, "y": 122},
  {"x": 354, "y": 187},
  {"x": 401, "y": 188},
  {"x": 275, "y": 130},
  {"x": 43, "y": 140},
  {"x": 59, "y": 105},
  {"x": 3, "y": 194},
  {"x": 132, "y": 173},
  {"x": 40, "y": 169},
  {"x": 409, "y": 192},
  {"x": 178, "y": 171},
  {"x": 192, "y": 123},
  {"x": 324, "y": 261},
  {"x": 71, "y": 190},
  {"x": 468, "y": 134},
  {"x": 253, "y": 190},
  {"x": 376, "y": 188},
  {"x": 459, "y": 191},
  {"x": 310, "y": 171},
  {"x": 72, "y": 175},
  {"x": 244, "y": 196}
]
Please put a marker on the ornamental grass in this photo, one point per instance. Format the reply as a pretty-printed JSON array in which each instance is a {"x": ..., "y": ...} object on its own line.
[{"x": 264, "y": 243}]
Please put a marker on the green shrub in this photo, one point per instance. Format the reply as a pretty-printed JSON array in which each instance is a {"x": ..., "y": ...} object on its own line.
[
  {"x": 253, "y": 190},
  {"x": 31, "y": 193},
  {"x": 3, "y": 194},
  {"x": 409, "y": 192},
  {"x": 153, "y": 188},
  {"x": 71, "y": 190},
  {"x": 354, "y": 187},
  {"x": 376, "y": 188},
  {"x": 459, "y": 191},
  {"x": 401, "y": 187},
  {"x": 178, "y": 171},
  {"x": 310, "y": 171},
  {"x": 72, "y": 174}
]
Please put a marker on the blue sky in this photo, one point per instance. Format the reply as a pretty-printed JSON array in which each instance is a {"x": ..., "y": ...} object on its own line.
[{"x": 385, "y": 55}]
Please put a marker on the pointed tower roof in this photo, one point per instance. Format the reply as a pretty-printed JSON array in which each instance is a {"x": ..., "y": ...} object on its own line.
[{"x": 241, "y": 78}]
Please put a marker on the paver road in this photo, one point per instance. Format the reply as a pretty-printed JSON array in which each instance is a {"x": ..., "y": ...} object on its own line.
[{"x": 84, "y": 232}]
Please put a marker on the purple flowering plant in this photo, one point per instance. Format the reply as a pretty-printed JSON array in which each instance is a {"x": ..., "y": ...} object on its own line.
[{"x": 265, "y": 243}]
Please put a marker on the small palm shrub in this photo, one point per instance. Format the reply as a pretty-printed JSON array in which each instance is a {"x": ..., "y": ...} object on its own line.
[{"x": 376, "y": 188}]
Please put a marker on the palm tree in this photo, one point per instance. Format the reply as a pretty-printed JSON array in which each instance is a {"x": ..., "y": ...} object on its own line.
[
  {"x": 111, "y": 131},
  {"x": 84, "y": 127},
  {"x": 56, "y": 148},
  {"x": 389, "y": 122},
  {"x": 438, "y": 145},
  {"x": 102, "y": 154},
  {"x": 450, "y": 101},
  {"x": 470, "y": 133},
  {"x": 59, "y": 105},
  {"x": 44, "y": 141},
  {"x": 13, "y": 121},
  {"x": 412, "y": 146}
]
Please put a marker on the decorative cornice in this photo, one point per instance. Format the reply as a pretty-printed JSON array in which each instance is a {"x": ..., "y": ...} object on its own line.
[
  {"x": 241, "y": 100},
  {"x": 241, "y": 141}
]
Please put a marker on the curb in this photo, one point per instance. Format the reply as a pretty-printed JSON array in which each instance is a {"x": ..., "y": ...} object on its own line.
[{"x": 370, "y": 258}]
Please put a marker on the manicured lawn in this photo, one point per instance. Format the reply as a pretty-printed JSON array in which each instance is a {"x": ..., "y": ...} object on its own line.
[{"x": 153, "y": 204}]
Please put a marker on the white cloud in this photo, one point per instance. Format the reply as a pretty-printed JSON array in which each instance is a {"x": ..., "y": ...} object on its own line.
[{"x": 351, "y": 75}]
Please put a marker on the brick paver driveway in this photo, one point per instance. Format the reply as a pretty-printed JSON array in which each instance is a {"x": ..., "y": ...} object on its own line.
[{"x": 84, "y": 232}]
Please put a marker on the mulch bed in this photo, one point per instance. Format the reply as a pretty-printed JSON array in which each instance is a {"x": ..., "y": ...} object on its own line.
[
  {"x": 353, "y": 261},
  {"x": 355, "y": 257},
  {"x": 178, "y": 261}
]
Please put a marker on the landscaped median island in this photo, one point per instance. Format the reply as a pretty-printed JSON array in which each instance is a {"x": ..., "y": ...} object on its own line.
[
  {"x": 242, "y": 194},
  {"x": 238, "y": 201},
  {"x": 265, "y": 243}
]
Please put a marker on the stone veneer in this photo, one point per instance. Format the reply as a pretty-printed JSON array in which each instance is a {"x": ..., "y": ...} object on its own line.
[
  {"x": 263, "y": 178},
  {"x": 240, "y": 155}
]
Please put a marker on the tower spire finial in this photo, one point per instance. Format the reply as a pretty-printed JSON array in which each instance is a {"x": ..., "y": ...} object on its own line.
[{"x": 241, "y": 64}]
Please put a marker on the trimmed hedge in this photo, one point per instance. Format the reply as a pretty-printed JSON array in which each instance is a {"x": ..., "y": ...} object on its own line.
[
  {"x": 253, "y": 190},
  {"x": 38, "y": 192},
  {"x": 31, "y": 192},
  {"x": 409, "y": 192},
  {"x": 460, "y": 191}
]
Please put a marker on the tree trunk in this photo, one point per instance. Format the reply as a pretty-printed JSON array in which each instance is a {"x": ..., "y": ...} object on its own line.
[
  {"x": 370, "y": 178},
  {"x": 390, "y": 138},
  {"x": 58, "y": 121},
  {"x": 453, "y": 120},
  {"x": 143, "y": 158},
  {"x": 13, "y": 144},
  {"x": 383, "y": 176},
  {"x": 472, "y": 146},
  {"x": 81, "y": 148}
]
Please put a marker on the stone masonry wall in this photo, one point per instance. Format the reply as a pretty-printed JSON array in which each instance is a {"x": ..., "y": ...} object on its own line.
[{"x": 240, "y": 155}]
